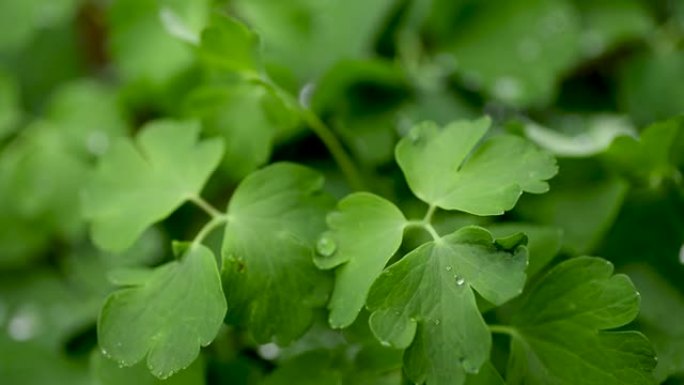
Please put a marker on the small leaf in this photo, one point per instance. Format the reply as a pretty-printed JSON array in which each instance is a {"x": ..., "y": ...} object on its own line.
[
  {"x": 270, "y": 280},
  {"x": 229, "y": 45},
  {"x": 366, "y": 231},
  {"x": 168, "y": 317},
  {"x": 425, "y": 302},
  {"x": 560, "y": 335},
  {"x": 138, "y": 184},
  {"x": 489, "y": 182}
]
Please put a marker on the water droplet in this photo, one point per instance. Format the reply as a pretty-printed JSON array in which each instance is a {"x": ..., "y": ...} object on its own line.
[
  {"x": 385, "y": 343},
  {"x": 326, "y": 246},
  {"x": 25, "y": 323},
  {"x": 508, "y": 89},
  {"x": 469, "y": 366},
  {"x": 436, "y": 322},
  {"x": 459, "y": 280},
  {"x": 529, "y": 50},
  {"x": 306, "y": 93},
  {"x": 449, "y": 268},
  {"x": 269, "y": 351}
]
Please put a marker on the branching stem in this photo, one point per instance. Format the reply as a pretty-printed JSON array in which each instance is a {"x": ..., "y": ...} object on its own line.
[
  {"x": 215, "y": 222},
  {"x": 206, "y": 206}
]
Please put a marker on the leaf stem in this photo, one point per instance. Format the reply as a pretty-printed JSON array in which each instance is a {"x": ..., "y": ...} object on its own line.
[
  {"x": 215, "y": 222},
  {"x": 504, "y": 329},
  {"x": 205, "y": 206},
  {"x": 430, "y": 212},
  {"x": 425, "y": 226},
  {"x": 341, "y": 157}
]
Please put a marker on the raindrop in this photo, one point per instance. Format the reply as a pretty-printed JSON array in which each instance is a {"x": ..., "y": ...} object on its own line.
[
  {"x": 508, "y": 89},
  {"x": 25, "y": 324},
  {"x": 459, "y": 280},
  {"x": 385, "y": 343},
  {"x": 469, "y": 366},
  {"x": 449, "y": 268},
  {"x": 306, "y": 93},
  {"x": 104, "y": 352},
  {"x": 436, "y": 322},
  {"x": 681, "y": 255},
  {"x": 326, "y": 246},
  {"x": 269, "y": 351}
]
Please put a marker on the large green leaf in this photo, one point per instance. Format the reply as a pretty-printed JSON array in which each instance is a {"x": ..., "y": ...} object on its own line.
[
  {"x": 560, "y": 336},
  {"x": 270, "y": 280},
  {"x": 166, "y": 317},
  {"x": 365, "y": 232},
  {"x": 426, "y": 302},
  {"x": 536, "y": 42},
  {"x": 139, "y": 183},
  {"x": 442, "y": 168}
]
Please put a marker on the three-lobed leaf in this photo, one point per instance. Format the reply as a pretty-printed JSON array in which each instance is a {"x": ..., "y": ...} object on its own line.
[
  {"x": 137, "y": 184},
  {"x": 365, "y": 231},
  {"x": 560, "y": 332},
  {"x": 269, "y": 278},
  {"x": 442, "y": 168},
  {"x": 166, "y": 317},
  {"x": 426, "y": 302}
]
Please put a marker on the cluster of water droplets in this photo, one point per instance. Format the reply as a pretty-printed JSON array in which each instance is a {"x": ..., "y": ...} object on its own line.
[{"x": 460, "y": 281}]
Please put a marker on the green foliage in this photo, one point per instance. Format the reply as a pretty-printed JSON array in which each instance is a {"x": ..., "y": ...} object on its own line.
[{"x": 341, "y": 192}]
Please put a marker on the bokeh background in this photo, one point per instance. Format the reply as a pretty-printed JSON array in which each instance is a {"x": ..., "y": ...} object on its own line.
[{"x": 571, "y": 75}]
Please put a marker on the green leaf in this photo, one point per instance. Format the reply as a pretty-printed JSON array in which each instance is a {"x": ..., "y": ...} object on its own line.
[
  {"x": 649, "y": 87},
  {"x": 270, "y": 280},
  {"x": 652, "y": 157},
  {"x": 662, "y": 309},
  {"x": 544, "y": 242},
  {"x": 560, "y": 332},
  {"x": 539, "y": 34},
  {"x": 139, "y": 183},
  {"x": 365, "y": 231},
  {"x": 443, "y": 170},
  {"x": 239, "y": 113},
  {"x": 141, "y": 48},
  {"x": 425, "y": 302},
  {"x": 168, "y": 317},
  {"x": 330, "y": 31},
  {"x": 584, "y": 209},
  {"x": 229, "y": 45},
  {"x": 107, "y": 372}
]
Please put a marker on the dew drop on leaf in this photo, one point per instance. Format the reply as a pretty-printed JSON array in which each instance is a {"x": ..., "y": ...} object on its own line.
[
  {"x": 385, "y": 343},
  {"x": 449, "y": 268},
  {"x": 459, "y": 280},
  {"x": 326, "y": 246},
  {"x": 436, "y": 322},
  {"x": 469, "y": 366}
]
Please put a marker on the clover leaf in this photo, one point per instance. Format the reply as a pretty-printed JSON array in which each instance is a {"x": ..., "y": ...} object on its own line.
[
  {"x": 365, "y": 232},
  {"x": 442, "y": 169},
  {"x": 425, "y": 302},
  {"x": 559, "y": 331},
  {"x": 270, "y": 280},
  {"x": 179, "y": 308},
  {"x": 139, "y": 183}
]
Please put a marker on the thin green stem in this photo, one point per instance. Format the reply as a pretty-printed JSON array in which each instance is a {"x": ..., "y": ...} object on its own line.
[
  {"x": 343, "y": 160},
  {"x": 425, "y": 226},
  {"x": 206, "y": 206},
  {"x": 504, "y": 329},
  {"x": 209, "y": 227},
  {"x": 430, "y": 212}
]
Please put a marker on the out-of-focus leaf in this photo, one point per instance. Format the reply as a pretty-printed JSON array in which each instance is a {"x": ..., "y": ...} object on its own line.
[
  {"x": 536, "y": 43},
  {"x": 22, "y": 19}
]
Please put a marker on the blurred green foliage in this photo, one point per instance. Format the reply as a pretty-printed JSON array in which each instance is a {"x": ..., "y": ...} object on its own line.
[{"x": 599, "y": 84}]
